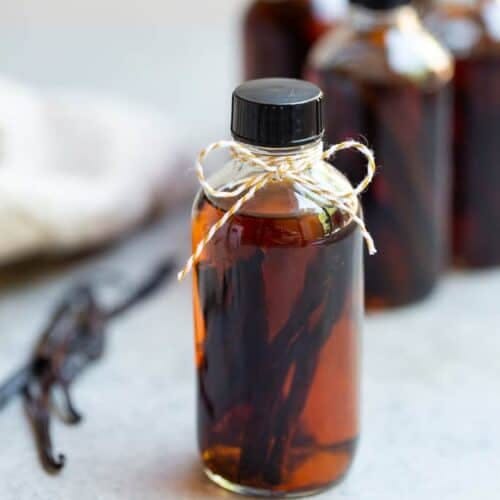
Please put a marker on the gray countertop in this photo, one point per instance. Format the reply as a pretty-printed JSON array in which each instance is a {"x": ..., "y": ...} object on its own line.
[{"x": 430, "y": 387}]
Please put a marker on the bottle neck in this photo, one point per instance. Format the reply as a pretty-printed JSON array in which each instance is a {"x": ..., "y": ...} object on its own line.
[
  {"x": 364, "y": 19},
  {"x": 305, "y": 149}
]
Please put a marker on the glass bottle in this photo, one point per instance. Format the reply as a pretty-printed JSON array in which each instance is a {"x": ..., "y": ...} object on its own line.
[
  {"x": 386, "y": 78},
  {"x": 471, "y": 29},
  {"x": 279, "y": 33},
  {"x": 278, "y": 305},
  {"x": 423, "y": 6}
]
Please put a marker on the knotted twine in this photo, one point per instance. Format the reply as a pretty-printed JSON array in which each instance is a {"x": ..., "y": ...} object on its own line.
[{"x": 295, "y": 168}]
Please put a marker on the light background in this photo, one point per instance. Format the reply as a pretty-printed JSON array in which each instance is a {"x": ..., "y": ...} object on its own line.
[{"x": 181, "y": 57}]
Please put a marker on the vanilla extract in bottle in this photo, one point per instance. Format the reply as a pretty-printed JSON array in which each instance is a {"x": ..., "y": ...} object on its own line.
[
  {"x": 471, "y": 30},
  {"x": 278, "y": 304},
  {"x": 279, "y": 33},
  {"x": 387, "y": 79}
]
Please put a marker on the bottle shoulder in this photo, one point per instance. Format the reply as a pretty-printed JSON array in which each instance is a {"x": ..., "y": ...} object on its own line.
[
  {"x": 277, "y": 12},
  {"x": 324, "y": 11},
  {"x": 278, "y": 199},
  {"x": 283, "y": 209},
  {"x": 467, "y": 29},
  {"x": 398, "y": 53}
]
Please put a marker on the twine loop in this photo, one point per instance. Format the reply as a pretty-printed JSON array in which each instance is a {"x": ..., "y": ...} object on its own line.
[{"x": 295, "y": 168}]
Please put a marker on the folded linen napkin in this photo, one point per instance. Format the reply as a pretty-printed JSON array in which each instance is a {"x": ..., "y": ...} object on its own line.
[{"x": 77, "y": 170}]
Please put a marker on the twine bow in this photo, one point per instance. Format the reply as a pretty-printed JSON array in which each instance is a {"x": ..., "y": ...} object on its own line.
[{"x": 294, "y": 168}]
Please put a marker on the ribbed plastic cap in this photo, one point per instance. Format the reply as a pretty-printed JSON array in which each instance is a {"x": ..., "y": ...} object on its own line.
[
  {"x": 380, "y": 4},
  {"x": 277, "y": 112}
]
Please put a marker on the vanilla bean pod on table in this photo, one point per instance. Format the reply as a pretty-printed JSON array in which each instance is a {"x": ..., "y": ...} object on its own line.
[{"x": 74, "y": 338}]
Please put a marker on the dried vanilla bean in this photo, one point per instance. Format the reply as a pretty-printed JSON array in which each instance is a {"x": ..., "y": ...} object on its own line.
[{"x": 73, "y": 339}]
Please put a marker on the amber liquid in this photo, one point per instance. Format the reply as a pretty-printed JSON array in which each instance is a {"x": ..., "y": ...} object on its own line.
[
  {"x": 407, "y": 206},
  {"x": 477, "y": 162},
  {"x": 278, "y": 36},
  {"x": 277, "y": 314}
]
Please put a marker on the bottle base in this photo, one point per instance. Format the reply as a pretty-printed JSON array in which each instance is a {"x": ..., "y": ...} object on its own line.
[
  {"x": 380, "y": 302},
  {"x": 257, "y": 492}
]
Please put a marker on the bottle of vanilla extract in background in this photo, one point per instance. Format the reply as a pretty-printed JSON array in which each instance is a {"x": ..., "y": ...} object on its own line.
[
  {"x": 387, "y": 79},
  {"x": 278, "y": 300},
  {"x": 279, "y": 33},
  {"x": 471, "y": 30}
]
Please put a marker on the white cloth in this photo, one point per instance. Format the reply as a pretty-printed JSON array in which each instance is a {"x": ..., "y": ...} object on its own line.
[{"x": 77, "y": 170}]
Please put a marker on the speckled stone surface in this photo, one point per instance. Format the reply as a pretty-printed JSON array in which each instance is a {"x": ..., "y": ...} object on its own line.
[{"x": 431, "y": 386}]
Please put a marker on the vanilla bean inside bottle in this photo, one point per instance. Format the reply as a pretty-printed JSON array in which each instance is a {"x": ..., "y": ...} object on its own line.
[
  {"x": 387, "y": 79},
  {"x": 278, "y": 304}
]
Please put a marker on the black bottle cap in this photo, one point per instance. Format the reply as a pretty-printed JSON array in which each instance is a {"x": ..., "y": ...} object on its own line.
[
  {"x": 380, "y": 4},
  {"x": 277, "y": 112}
]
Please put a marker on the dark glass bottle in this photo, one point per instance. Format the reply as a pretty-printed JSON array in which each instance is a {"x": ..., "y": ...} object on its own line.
[
  {"x": 279, "y": 33},
  {"x": 423, "y": 6},
  {"x": 472, "y": 32},
  {"x": 278, "y": 305},
  {"x": 387, "y": 79}
]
